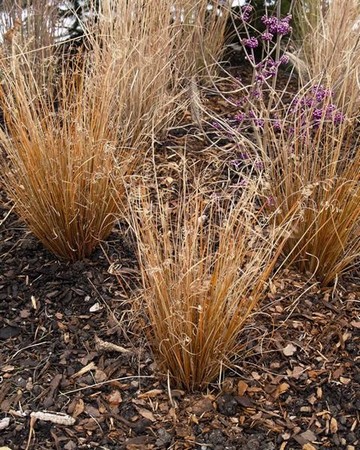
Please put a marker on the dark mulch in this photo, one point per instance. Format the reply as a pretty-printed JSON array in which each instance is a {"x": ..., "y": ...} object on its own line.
[{"x": 296, "y": 384}]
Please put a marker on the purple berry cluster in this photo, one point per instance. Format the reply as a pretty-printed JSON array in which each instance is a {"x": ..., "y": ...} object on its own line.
[
  {"x": 316, "y": 107},
  {"x": 277, "y": 26},
  {"x": 268, "y": 68},
  {"x": 246, "y": 12},
  {"x": 306, "y": 113},
  {"x": 250, "y": 42}
]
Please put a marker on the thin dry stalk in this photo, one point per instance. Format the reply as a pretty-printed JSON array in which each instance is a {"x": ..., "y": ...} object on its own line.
[{"x": 204, "y": 264}]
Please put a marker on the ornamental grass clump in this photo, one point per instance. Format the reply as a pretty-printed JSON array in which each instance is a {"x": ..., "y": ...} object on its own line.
[
  {"x": 204, "y": 264},
  {"x": 70, "y": 142},
  {"x": 328, "y": 45},
  {"x": 200, "y": 28},
  {"x": 306, "y": 142},
  {"x": 314, "y": 179}
]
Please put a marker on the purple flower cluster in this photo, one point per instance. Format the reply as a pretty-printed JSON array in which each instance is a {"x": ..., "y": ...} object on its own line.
[
  {"x": 284, "y": 59},
  {"x": 258, "y": 122},
  {"x": 240, "y": 117},
  {"x": 307, "y": 112},
  {"x": 277, "y": 26},
  {"x": 320, "y": 93},
  {"x": 329, "y": 113},
  {"x": 277, "y": 125}
]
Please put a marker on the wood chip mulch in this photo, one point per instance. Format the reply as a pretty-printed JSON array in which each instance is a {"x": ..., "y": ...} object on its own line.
[{"x": 67, "y": 346}]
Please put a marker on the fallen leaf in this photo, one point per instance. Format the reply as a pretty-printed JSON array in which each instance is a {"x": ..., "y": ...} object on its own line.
[
  {"x": 151, "y": 394},
  {"x": 95, "y": 307},
  {"x": 315, "y": 373},
  {"x": 312, "y": 399},
  {"x": 338, "y": 372},
  {"x": 92, "y": 411},
  {"x": 305, "y": 437},
  {"x": 78, "y": 408},
  {"x": 114, "y": 398},
  {"x": 90, "y": 424},
  {"x": 147, "y": 414},
  {"x": 25, "y": 313},
  {"x": 242, "y": 387},
  {"x": 202, "y": 406},
  {"x": 355, "y": 324},
  {"x": 244, "y": 401},
  {"x": 4, "y": 423},
  {"x": 100, "y": 376},
  {"x": 308, "y": 447},
  {"x": 297, "y": 371},
  {"x": 256, "y": 376},
  {"x": 286, "y": 436},
  {"x": 283, "y": 387},
  {"x": 289, "y": 350},
  {"x": 333, "y": 425}
]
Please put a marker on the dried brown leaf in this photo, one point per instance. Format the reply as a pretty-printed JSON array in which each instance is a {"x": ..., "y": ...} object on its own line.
[
  {"x": 147, "y": 414},
  {"x": 289, "y": 350},
  {"x": 151, "y": 394},
  {"x": 242, "y": 388}
]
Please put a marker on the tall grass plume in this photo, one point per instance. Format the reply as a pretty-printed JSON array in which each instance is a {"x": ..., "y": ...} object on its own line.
[
  {"x": 70, "y": 143},
  {"x": 204, "y": 264}
]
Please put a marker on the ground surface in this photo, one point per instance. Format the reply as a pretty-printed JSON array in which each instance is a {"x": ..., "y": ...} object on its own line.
[{"x": 295, "y": 386}]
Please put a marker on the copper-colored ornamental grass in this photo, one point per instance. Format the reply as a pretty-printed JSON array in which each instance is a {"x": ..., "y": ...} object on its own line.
[
  {"x": 314, "y": 180},
  {"x": 308, "y": 139},
  {"x": 328, "y": 42},
  {"x": 72, "y": 138},
  {"x": 70, "y": 143},
  {"x": 204, "y": 266},
  {"x": 200, "y": 34},
  {"x": 60, "y": 162}
]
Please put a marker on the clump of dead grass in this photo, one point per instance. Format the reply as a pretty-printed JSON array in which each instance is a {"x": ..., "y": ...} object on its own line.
[
  {"x": 314, "y": 181},
  {"x": 200, "y": 26},
  {"x": 70, "y": 143},
  {"x": 328, "y": 42},
  {"x": 204, "y": 263}
]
